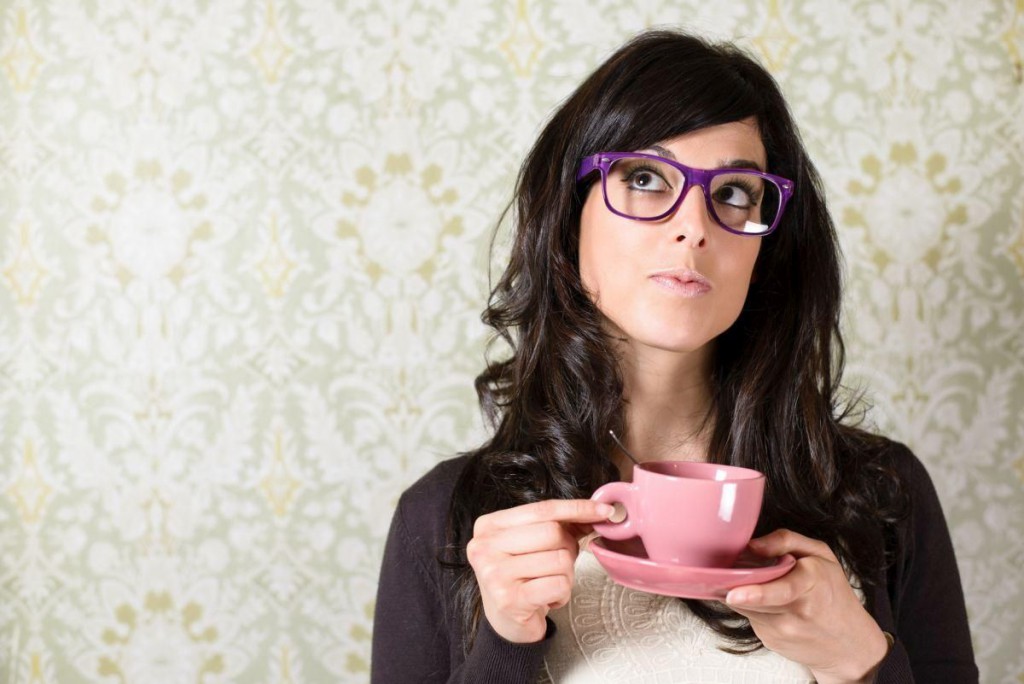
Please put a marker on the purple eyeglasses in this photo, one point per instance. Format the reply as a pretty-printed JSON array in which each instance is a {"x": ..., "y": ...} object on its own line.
[{"x": 648, "y": 187}]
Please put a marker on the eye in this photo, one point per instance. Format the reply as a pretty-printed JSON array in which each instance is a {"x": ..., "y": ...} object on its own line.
[
  {"x": 736, "y": 193},
  {"x": 646, "y": 179}
]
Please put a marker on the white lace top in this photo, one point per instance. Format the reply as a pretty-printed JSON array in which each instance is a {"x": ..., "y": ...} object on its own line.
[{"x": 611, "y": 634}]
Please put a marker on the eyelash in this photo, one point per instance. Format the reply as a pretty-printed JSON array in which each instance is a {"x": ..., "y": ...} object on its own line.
[
  {"x": 748, "y": 188},
  {"x": 744, "y": 185},
  {"x": 644, "y": 168}
]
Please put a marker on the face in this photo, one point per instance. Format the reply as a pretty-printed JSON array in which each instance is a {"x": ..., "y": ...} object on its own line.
[{"x": 678, "y": 283}]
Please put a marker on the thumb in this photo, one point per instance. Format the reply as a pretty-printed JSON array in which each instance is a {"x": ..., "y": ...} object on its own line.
[{"x": 783, "y": 541}]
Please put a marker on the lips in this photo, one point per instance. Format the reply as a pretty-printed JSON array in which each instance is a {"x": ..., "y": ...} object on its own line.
[{"x": 682, "y": 281}]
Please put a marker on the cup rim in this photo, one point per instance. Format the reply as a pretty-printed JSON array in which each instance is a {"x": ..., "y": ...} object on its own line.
[{"x": 734, "y": 473}]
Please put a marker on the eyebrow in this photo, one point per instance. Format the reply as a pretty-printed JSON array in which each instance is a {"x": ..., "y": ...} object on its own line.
[{"x": 723, "y": 164}]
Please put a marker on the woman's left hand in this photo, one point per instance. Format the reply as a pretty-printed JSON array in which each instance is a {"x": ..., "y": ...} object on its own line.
[{"x": 811, "y": 614}]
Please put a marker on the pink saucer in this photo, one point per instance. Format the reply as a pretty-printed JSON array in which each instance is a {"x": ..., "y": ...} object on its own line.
[{"x": 627, "y": 564}]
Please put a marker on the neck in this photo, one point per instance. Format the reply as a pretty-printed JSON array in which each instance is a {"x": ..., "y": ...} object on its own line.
[{"x": 667, "y": 402}]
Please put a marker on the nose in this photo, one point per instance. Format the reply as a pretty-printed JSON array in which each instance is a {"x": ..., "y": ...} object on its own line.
[{"x": 691, "y": 222}]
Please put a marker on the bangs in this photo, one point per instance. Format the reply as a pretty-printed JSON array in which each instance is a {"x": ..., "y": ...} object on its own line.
[{"x": 673, "y": 89}]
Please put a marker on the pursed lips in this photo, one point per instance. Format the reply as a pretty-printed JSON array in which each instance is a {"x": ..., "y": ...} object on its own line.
[{"x": 682, "y": 281}]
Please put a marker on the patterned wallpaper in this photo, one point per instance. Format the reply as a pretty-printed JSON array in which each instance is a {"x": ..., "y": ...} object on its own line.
[{"x": 243, "y": 251}]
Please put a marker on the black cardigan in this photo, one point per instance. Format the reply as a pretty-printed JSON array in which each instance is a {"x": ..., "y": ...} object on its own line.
[{"x": 416, "y": 635}]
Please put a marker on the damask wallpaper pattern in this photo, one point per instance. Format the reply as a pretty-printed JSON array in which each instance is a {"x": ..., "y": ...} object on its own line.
[{"x": 243, "y": 252}]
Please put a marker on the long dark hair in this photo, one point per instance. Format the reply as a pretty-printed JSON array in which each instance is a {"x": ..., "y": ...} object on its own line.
[{"x": 775, "y": 379}]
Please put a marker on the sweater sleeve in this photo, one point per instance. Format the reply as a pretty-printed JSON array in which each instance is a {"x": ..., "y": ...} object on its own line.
[
  {"x": 409, "y": 640},
  {"x": 415, "y": 637},
  {"x": 933, "y": 641}
]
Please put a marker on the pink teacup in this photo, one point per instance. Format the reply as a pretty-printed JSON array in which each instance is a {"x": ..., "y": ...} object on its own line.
[{"x": 686, "y": 513}]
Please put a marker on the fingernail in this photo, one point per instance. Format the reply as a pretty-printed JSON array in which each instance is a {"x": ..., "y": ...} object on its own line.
[
  {"x": 737, "y": 596},
  {"x": 605, "y": 510}
]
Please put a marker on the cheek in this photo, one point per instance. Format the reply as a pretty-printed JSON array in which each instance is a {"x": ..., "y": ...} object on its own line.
[
  {"x": 595, "y": 252},
  {"x": 743, "y": 253},
  {"x": 741, "y": 273},
  {"x": 586, "y": 264},
  {"x": 736, "y": 256}
]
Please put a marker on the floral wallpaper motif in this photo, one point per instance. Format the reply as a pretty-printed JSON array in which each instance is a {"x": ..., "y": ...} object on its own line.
[{"x": 243, "y": 251}]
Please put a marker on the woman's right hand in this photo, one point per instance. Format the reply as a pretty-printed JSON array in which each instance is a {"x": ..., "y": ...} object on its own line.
[{"x": 524, "y": 559}]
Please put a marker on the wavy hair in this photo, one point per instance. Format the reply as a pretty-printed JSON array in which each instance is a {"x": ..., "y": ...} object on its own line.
[{"x": 553, "y": 398}]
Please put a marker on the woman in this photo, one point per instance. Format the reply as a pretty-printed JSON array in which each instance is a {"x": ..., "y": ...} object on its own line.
[{"x": 674, "y": 278}]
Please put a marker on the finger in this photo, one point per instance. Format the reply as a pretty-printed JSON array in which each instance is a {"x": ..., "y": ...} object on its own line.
[
  {"x": 583, "y": 541},
  {"x": 781, "y": 542},
  {"x": 530, "y": 566},
  {"x": 579, "y": 530},
  {"x": 547, "y": 592},
  {"x": 776, "y": 596},
  {"x": 558, "y": 510},
  {"x": 540, "y": 536}
]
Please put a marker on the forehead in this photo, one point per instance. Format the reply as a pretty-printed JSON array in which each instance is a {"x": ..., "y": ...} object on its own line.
[{"x": 716, "y": 145}]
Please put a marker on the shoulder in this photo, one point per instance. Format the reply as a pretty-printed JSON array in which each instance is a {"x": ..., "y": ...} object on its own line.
[
  {"x": 910, "y": 469},
  {"x": 896, "y": 457},
  {"x": 423, "y": 507},
  {"x": 890, "y": 474},
  {"x": 434, "y": 485},
  {"x": 903, "y": 486}
]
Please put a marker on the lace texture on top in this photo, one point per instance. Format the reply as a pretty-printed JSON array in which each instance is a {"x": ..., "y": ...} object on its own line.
[{"x": 608, "y": 633}]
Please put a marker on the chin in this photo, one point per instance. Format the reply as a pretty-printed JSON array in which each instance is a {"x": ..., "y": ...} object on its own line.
[
  {"x": 681, "y": 337},
  {"x": 672, "y": 343},
  {"x": 680, "y": 347}
]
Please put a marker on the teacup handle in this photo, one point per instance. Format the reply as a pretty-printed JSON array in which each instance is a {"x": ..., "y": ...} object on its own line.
[{"x": 621, "y": 493}]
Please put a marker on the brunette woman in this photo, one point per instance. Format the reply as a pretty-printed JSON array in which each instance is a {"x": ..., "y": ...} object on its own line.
[{"x": 675, "y": 278}]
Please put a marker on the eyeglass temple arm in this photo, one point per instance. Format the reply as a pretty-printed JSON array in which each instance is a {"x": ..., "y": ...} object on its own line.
[{"x": 587, "y": 166}]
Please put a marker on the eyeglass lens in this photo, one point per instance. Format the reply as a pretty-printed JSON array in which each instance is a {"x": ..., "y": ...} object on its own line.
[{"x": 647, "y": 188}]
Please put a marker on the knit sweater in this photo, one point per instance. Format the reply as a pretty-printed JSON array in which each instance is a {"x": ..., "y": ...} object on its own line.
[{"x": 416, "y": 633}]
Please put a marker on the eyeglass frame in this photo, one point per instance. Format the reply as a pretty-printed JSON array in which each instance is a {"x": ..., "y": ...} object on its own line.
[{"x": 692, "y": 177}]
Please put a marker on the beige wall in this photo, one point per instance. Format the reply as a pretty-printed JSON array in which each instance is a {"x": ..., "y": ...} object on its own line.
[{"x": 242, "y": 251}]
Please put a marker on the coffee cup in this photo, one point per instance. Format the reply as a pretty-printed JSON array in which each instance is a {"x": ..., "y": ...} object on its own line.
[{"x": 685, "y": 512}]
